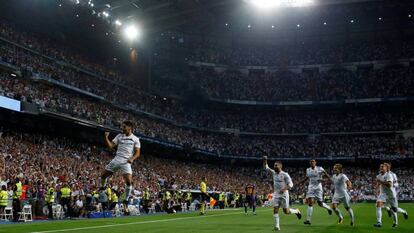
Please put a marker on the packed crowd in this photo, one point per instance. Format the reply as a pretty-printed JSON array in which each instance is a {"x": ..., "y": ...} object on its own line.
[
  {"x": 40, "y": 162},
  {"x": 43, "y": 159},
  {"x": 298, "y": 54},
  {"x": 288, "y": 86},
  {"x": 50, "y": 98},
  {"x": 46, "y": 47},
  {"x": 341, "y": 84},
  {"x": 205, "y": 118}
]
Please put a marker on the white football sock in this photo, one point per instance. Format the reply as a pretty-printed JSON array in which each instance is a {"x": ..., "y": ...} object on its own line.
[
  {"x": 401, "y": 211},
  {"x": 128, "y": 191},
  {"x": 293, "y": 211},
  {"x": 276, "y": 216},
  {"x": 338, "y": 213},
  {"x": 310, "y": 211},
  {"x": 351, "y": 214},
  {"x": 394, "y": 217},
  {"x": 379, "y": 215},
  {"x": 325, "y": 206}
]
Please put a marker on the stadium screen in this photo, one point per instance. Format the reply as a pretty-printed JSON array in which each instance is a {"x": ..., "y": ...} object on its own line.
[{"x": 9, "y": 104}]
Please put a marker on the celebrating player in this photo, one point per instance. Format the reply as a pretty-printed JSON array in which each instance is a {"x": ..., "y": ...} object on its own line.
[
  {"x": 395, "y": 183},
  {"x": 387, "y": 195},
  {"x": 315, "y": 175},
  {"x": 341, "y": 183},
  {"x": 250, "y": 200},
  {"x": 128, "y": 150},
  {"x": 282, "y": 183}
]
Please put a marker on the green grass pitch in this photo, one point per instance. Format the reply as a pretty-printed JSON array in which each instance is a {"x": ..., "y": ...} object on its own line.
[{"x": 230, "y": 220}]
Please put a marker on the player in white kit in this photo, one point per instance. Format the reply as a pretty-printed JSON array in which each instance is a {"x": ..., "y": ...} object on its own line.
[
  {"x": 387, "y": 195},
  {"x": 315, "y": 192},
  {"x": 395, "y": 182},
  {"x": 282, "y": 183},
  {"x": 341, "y": 184},
  {"x": 128, "y": 150}
]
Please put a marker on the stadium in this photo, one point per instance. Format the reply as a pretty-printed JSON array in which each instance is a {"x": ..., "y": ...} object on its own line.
[{"x": 206, "y": 116}]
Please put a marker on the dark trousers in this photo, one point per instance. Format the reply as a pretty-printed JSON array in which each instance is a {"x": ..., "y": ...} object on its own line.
[
  {"x": 145, "y": 206},
  {"x": 49, "y": 207},
  {"x": 66, "y": 202},
  {"x": 2, "y": 209},
  {"x": 104, "y": 206},
  {"x": 16, "y": 208},
  {"x": 221, "y": 204}
]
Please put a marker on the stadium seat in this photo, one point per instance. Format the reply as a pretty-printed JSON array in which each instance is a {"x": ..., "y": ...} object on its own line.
[
  {"x": 26, "y": 214},
  {"x": 116, "y": 211},
  {"x": 152, "y": 208},
  {"x": 58, "y": 212},
  {"x": 192, "y": 207},
  {"x": 184, "y": 207},
  {"x": 134, "y": 210},
  {"x": 7, "y": 214}
]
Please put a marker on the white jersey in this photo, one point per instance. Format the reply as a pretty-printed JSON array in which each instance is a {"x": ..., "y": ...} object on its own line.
[
  {"x": 384, "y": 190},
  {"x": 394, "y": 179},
  {"x": 126, "y": 145},
  {"x": 280, "y": 181},
  {"x": 339, "y": 182},
  {"x": 315, "y": 177}
]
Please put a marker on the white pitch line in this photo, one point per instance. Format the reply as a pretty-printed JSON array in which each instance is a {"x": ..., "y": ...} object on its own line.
[{"x": 136, "y": 223}]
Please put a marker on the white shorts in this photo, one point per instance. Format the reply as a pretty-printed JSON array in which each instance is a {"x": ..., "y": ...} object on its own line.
[
  {"x": 390, "y": 201},
  {"x": 381, "y": 197},
  {"x": 346, "y": 200},
  {"x": 315, "y": 193},
  {"x": 119, "y": 165},
  {"x": 280, "y": 201}
]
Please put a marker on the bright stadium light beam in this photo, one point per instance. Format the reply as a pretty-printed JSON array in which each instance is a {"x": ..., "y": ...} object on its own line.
[
  {"x": 272, "y": 4},
  {"x": 265, "y": 4},
  {"x": 118, "y": 22},
  {"x": 131, "y": 32}
]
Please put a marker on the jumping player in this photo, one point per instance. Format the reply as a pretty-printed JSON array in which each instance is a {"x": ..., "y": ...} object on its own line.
[
  {"x": 282, "y": 183},
  {"x": 341, "y": 183},
  {"x": 128, "y": 150}
]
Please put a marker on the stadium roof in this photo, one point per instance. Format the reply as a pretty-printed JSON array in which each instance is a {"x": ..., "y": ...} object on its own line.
[
  {"x": 66, "y": 19},
  {"x": 201, "y": 16}
]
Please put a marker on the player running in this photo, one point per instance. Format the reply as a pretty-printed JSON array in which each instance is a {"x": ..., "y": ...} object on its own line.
[
  {"x": 315, "y": 175},
  {"x": 387, "y": 195},
  {"x": 282, "y": 183},
  {"x": 341, "y": 183},
  {"x": 250, "y": 200},
  {"x": 395, "y": 183},
  {"x": 128, "y": 150}
]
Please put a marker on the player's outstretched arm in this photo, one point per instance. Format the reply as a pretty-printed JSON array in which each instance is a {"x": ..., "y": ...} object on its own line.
[
  {"x": 108, "y": 142},
  {"x": 266, "y": 167},
  {"x": 264, "y": 162}
]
